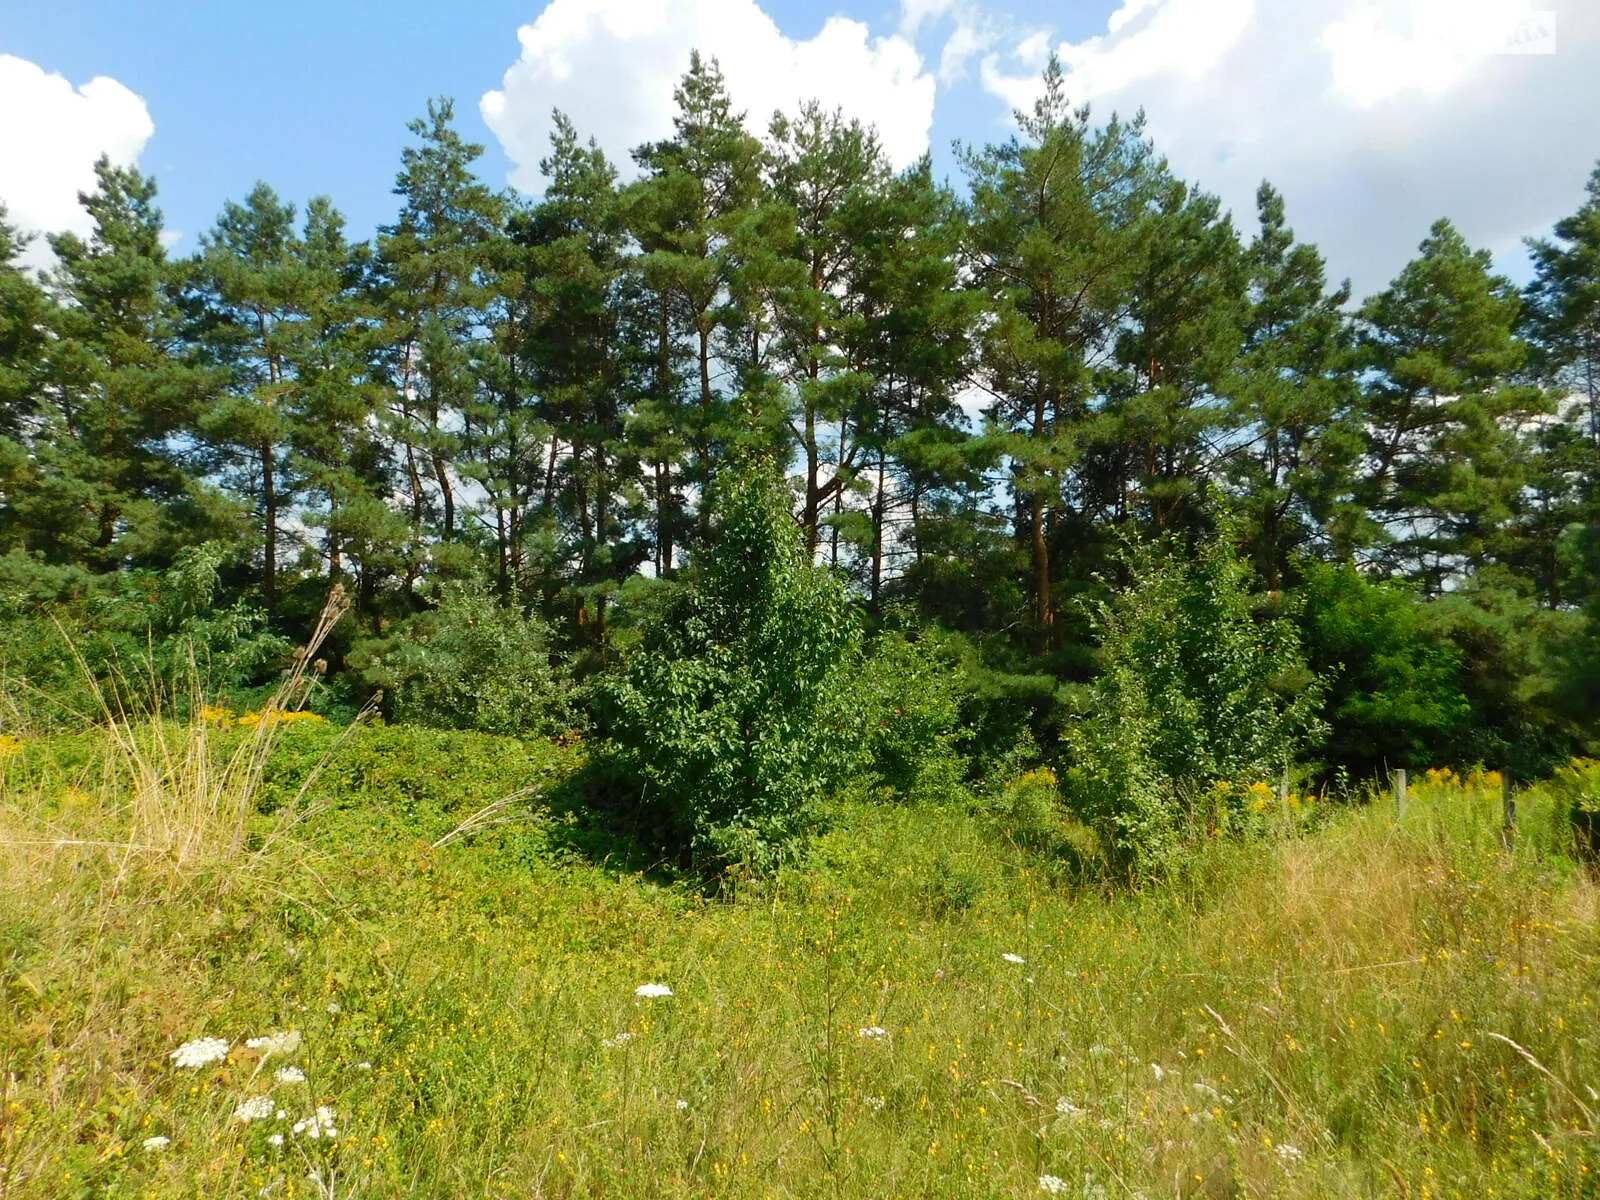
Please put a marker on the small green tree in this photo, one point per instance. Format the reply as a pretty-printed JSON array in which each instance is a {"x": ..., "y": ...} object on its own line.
[
  {"x": 471, "y": 663},
  {"x": 1195, "y": 689},
  {"x": 735, "y": 716}
]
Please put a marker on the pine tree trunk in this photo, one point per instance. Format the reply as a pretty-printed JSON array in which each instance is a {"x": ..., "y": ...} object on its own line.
[{"x": 269, "y": 505}]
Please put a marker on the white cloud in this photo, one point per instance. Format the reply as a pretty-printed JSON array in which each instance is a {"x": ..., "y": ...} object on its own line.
[
  {"x": 972, "y": 32},
  {"x": 611, "y": 65},
  {"x": 50, "y": 139},
  {"x": 1373, "y": 117},
  {"x": 966, "y": 41},
  {"x": 1428, "y": 46},
  {"x": 1170, "y": 39}
]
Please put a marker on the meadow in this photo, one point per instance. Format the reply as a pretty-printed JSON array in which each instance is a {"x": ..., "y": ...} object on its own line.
[{"x": 421, "y": 975}]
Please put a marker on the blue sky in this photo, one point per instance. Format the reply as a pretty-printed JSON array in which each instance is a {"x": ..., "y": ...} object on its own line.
[{"x": 1374, "y": 116}]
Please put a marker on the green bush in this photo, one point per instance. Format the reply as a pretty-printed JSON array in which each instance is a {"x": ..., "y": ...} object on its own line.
[
  {"x": 735, "y": 715},
  {"x": 1195, "y": 688},
  {"x": 914, "y": 685},
  {"x": 472, "y": 663},
  {"x": 1394, "y": 694},
  {"x": 146, "y": 640}
]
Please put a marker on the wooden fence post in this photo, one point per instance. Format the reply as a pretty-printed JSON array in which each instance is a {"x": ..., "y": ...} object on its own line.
[{"x": 1399, "y": 794}]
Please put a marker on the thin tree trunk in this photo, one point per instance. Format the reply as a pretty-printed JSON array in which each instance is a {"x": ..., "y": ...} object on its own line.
[{"x": 269, "y": 505}]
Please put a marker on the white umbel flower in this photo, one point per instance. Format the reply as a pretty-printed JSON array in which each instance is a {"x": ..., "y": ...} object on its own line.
[
  {"x": 201, "y": 1052},
  {"x": 873, "y": 1033},
  {"x": 319, "y": 1125},
  {"x": 652, "y": 991},
  {"x": 1052, "y": 1185},
  {"x": 276, "y": 1045},
  {"x": 257, "y": 1108},
  {"x": 1290, "y": 1154},
  {"x": 290, "y": 1075},
  {"x": 159, "y": 1142},
  {"x": 1019, "y": 960}
]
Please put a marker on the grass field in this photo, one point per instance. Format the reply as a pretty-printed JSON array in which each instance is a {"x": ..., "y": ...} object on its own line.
[{"x": 925, "y": 1007}]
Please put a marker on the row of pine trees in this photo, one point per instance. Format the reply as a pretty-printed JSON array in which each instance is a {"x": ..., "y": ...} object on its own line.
[{"x": 979, "y": 389}]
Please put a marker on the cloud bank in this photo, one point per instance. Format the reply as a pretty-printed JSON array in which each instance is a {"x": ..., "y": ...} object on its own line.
[
  {"x": 611, "y": 65},
  {"x": 50, "y": 139},
  {"x": 1374, "y": 119}
]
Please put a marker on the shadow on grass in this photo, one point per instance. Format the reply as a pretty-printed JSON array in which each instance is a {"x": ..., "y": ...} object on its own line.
[{"x": 599, "y": 817}]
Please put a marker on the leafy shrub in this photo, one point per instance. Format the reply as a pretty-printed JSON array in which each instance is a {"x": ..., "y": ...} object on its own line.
[
  {"x": 151, "y": 639},
  {"x": 1394, "y": 695},
  {"x": 1194, "y": 688},
  {"x": 1029, "y": 806},
  {"x": 915, "y": 685},
  {"x": 736, "y": 715},
  {"x": 472, "y": 663}
]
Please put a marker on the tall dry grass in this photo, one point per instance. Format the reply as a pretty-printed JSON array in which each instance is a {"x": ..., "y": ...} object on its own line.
[{"x": 173, "y": 787}]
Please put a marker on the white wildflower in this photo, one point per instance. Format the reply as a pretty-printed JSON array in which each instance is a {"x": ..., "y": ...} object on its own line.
[
  {"x": 683, "y": 1106},
  {"x": 318, "y": 1125},
  {"x": 1155, "y": 1069},
  {"x": 1018, "y": 959},
  {"x": 279, "y": 1045},
  {"x": 1068, "y": 1109},
  {"x": 363, "y": 1066},
  {"x": 875, "y": 1103},
  {"x": 157, "y": 1143},
  {"x": 873, "y": 1033},
  {"x": 622, "y": 1039},
  {"x": 201, "y": 1052},
  {"x": 652, "y": 991},
  {"x": 334, "y": 1008},
  {"x": 1205, "y": 1089},
  {"x": 1290, "y": 1154},
  {"x": 275, "y": 1140},
  {"x": 290, "y": 1075},
  {"x": 1053, "y": 1185},
  {"x": 257, "y": 1108},
  {"x": 280, "y": 1115}
]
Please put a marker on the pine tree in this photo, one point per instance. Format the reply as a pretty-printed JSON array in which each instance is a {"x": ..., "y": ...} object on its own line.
[
  {"x": 114, "y": 485},
  {"x": 832, "y": 178},
  {"x": 256, "y": 291},
  {"x": 337, "y": 451},
  {"x": 24, "y": 344},
  {"x": 578, "y": 362},
  {"x": 1295, "y": 405},
  {"x": 699, "y": 187},
  {"x": 911, "y": 340},
  {"x": 1444, "y": 464},
  {"x": 1055, "y": 240},
  {"x": 430, "y": 289},
  {"x": 1564, "y": 303},
  {"x": 1166, "y": 419}
]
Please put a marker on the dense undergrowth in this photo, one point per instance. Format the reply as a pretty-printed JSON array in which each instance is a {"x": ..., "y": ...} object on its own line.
[{"x": 931, "y": 1001}]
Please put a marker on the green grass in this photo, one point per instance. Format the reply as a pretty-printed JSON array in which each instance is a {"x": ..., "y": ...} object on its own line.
[{"x": 1364, "y": 1010}]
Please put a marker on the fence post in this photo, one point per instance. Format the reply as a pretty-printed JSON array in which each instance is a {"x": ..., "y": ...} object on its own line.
[
  {"x": 1399, "y": 794},
  {"x": 1508, "y": 810}
]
